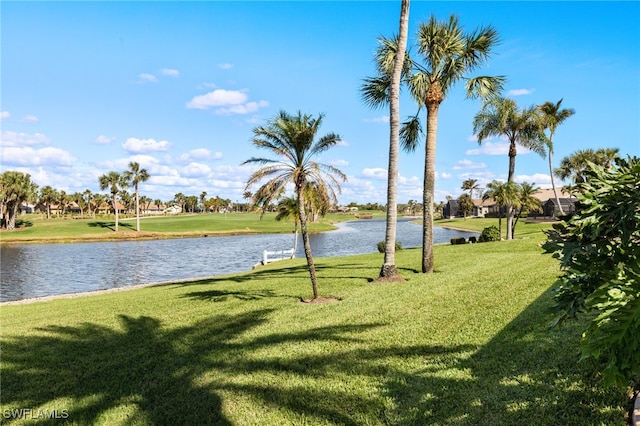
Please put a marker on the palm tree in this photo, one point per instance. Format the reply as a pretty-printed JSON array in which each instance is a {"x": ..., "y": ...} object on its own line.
[
  {"x": 203, "y": 198},
  {"x": 48, "y": 196},
  {"x": 377, "y": 92},
  {"x": 504, "y": 194},
  {"x": 501, "y": 117},
  {"x": 292, "y": 139},
  {"x": 552, "y": 116},
  {"x": 134, "y": 176},
  {"x": 470, "y": 185},
  {"x": 526, "y": 203},
  {"x": 449, "y": 56},
  {"x": 114, "y": 182},
  {"x": 287, "y": 207},
  {"x": 574, "y": 165}
]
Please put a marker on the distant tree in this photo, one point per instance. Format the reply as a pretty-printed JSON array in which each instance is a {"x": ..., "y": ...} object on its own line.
[
  {"x": 78, "y": 198},
  {"x": 114, "y": 182},
  {"x": 598, "y": 247},
  {"x": 470, "y": 185},
  {"x": 292, "y": 138},
  {"x": 527, "y": 202},
  {"x": 203, "y": 198},
  {"x": 503, "y": 194},
  {"x": 48, "y": 196},
  {"x": 552, "y": 115},
  {"x": 134, "y": 177},
  {"x": 288, "y": 207},
  {"x": 501, "y": 117},
  {"x": 575, "y": 165},
  {"x": 88, "y": 198},
  {"x": 465, "y": 204},
  {"x": 15, "y": 188}
]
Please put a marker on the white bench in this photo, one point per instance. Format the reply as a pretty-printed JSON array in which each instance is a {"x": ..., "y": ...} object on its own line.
[{"x": 272, "y": 256}]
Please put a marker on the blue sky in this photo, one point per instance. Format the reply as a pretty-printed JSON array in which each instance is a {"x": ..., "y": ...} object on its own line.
[{"x": 178, "y": 87}]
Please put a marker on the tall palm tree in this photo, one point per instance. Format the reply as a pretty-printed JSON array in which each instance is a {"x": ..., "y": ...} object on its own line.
[
  {"x": 203, "y": 198},
  {"x": 501, "y": 117},
  {"x": 470, "y": 185},
  {"x": 552, "y": 116},
  {"x": 504, "y": 194},
  {"x": 449, "y": 55},
  {"x": 134, "y": 176},
  {"x": 114, "y": 182},
  {"x": 574, "y": 165},
  {"x": 292, "y": 138},
  {"x": 377, "y": 92}
]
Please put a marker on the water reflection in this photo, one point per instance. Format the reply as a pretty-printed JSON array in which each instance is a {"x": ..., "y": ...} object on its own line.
[{"x": 37, "y": 270}]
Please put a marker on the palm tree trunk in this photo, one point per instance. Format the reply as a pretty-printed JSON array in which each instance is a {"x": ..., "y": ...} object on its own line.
[
  {"x": 553, "y": 182},
  {"x": 429, "y": 186},
  {"x": 115, "y": 209},
  {"x": 305, "y": 240},
  {"x": 512, "y": 169},
  {"x": 137, "y": 210},
  {"x": 389, "y": 270}
]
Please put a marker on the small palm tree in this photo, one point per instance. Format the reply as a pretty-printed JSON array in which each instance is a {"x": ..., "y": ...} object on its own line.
[
  {"x": 527, "y": 202},
  {"x": 552, "y": 116},
  {"x": 574, "y": 165},
  {"x": 292, "y": 138},
  {"x": 501, "y": 117},
  {"x": 470, "y": 185},
  {"x": 134, "y": 176},
  {"x": 114, "y": 182},
  {"x": 504, "y": 194}
]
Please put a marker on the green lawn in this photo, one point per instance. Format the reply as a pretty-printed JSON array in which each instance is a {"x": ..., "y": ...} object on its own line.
[{"x": 467, "y": 345}]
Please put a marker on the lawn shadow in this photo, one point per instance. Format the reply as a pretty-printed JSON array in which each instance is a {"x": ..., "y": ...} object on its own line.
[
  {"x": 224, "y": 295},
  {"x": 110, "y": 225}
]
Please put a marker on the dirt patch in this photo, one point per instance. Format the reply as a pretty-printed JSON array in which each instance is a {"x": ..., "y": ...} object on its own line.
[{"x": 321, "y": 299}]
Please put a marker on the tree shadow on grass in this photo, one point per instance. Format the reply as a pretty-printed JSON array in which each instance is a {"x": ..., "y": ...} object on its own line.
[
  {"x": 224, "y": 295},
  {"x": 111, "y": 225},
  {"x": 333, "y": 374}
]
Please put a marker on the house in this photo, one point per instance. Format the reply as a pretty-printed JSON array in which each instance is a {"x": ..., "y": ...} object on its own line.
[
  {"x": 550, "y": 207},
  {"x": 451, "y": 210}
]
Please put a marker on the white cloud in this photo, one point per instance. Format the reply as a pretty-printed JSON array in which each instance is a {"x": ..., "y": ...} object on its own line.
[
  {"x": 170, "y": 72},
  {"x": 519, "y": 92},
  {"x": 218, "y": 97},
  {"x": 147, "y": 78},
  {"x": 200, "y": 154},
  {"x": 375, "y": 173},
  {"x": 29, "y": 119},
  {"x": 468, "y": 165},
  {"x": 540, "y": 179},
  {"x": 243, "y": 108},
  {"x": 225, "y": 66},
  {"x": 28, "y": 156},
  {"x": 383, "y": 119},
  {"x": 10, "y": 138},
  {"x": 490, "y": 148},
  {"x": 135, "y": 145},
  {"x": 195, "y": 170},
  {"x": 4, "y": 115},
  {"x": 339, "y": 163},
  {"x": 445, "y": 175},
  {"x": 103, "y": 140}
]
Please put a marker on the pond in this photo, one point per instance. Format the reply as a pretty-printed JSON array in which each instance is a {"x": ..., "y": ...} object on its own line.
[{"x": 36, "y": 270}]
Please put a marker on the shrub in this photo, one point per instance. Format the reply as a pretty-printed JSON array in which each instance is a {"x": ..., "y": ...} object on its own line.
[
  {"x": 381, "y": 246},
  {"x": 473, "y": 240},
  {"x": 488, "y": 234},
  {"x": 599, "y": 252},
  {"x": 458, "y": 240}
]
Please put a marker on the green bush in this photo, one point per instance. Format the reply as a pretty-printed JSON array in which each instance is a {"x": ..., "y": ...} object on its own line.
[
  {"x": 381, "y": 246},
  {"x": 473, "y": 240},
  {"x": 488, "y": 234},
  {"x": 599, "y": 252},
  {"x": 458, "y": 240}
]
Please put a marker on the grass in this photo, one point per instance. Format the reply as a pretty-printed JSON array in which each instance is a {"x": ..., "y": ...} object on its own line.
[
  {"x": 34, "y": 228},
  {"x": 466, "y": 345}
]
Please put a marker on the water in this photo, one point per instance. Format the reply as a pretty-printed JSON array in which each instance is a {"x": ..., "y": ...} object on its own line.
[{"x": 36, "y": 270}]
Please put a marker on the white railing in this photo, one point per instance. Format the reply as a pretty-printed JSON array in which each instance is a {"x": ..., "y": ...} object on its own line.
[{"x": 272, "y": 256}]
